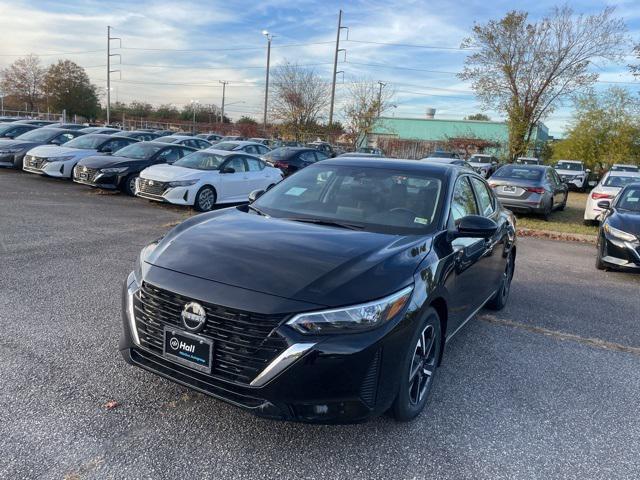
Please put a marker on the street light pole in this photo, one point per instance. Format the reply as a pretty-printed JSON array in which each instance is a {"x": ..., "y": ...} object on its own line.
[
  {"x": 266, "y": 87},
  {"x": 193, "y": 107},
  {"x": 224, "y": 87},
  {"x": 109, "y": 71},
  {"x": 335, "y": 67}
]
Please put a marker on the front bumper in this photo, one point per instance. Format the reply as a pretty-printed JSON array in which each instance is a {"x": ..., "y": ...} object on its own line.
[
  {"x": 7, "y": 160},
  {"x": 98, "y": 180},
  {"x": 175, "y": 195},
  {"x": 621, "y": 254},
  {"x": 335, "y": 379},
  {"x": 52, "y": 169}
]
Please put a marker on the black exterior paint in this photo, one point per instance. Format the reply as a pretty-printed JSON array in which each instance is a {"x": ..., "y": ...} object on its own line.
[{"x": 249, "y": 263}]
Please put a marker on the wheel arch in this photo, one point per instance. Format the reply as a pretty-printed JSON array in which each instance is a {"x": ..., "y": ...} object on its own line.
[{"x": 439, "y": 304}]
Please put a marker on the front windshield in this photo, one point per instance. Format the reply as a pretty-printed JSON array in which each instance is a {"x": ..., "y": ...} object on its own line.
[
  {"x": 630, "y": 199},
  {"x": 276, "y": 154},
  {"x": 39, "y": 135},
  {"x": 89, "y": 142},
  {"x": 139, "y": 151},
  {"x": 201, "y": 160},
  {"x": 576, "y": 167},
  {"x": 620, "y": 180},
  {"x": 480, "y": 159},
  {"x": 228, "y": 146},
  {"x": 375, "y": 199},
  {"x": 6, "y": 128},
  {"x": 518, "y": 172}
]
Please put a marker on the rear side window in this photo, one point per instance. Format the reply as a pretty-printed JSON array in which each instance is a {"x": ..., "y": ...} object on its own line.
[
  {"x": 463, "y": 202},
  {"x": 484, "y": 197},
  {"x": 308, "y": 156},
  {"x": 254, "y": 165}
]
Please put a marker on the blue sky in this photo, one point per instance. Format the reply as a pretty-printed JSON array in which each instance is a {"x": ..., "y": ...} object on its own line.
[{"x": 176, "y": 51}]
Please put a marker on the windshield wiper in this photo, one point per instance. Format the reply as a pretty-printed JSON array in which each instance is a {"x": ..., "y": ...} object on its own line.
[
  {"x": 330, "y": 223},
  {"x": 257, "y": 210}
]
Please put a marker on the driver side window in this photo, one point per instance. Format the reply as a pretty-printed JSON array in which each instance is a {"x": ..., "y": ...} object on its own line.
[
  {"x": 237, "y": 163},
  {"x": 463, "y": 202}
]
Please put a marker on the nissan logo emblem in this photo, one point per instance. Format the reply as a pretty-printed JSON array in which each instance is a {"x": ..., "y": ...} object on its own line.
[{"x": 193, "y": 316}]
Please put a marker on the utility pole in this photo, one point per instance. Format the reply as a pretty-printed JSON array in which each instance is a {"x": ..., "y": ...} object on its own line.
[
  {"x": 381, "y": 86},
  {"x": 335, "y": 67},
  {"x": 266, "y": 87},
  {"x": 224, "y": 86},
  {"x": 109, "y": 71},
  {"x": 194, "y": 103}
]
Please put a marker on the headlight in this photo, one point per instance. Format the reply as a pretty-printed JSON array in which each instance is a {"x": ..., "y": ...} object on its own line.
[
  {"x": 614, "y": 232},
  {"x": 113, "y": 170},
  {"x": 144, "y": 254},
  {"x": 352, "y": 319},
  {"x": 184, "y": 183}
]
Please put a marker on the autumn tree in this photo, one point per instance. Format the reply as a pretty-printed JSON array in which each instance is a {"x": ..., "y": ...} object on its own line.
[
  {"x": 299, "y": 96},
  {"x": 604, "y": 130},
  {"x": 68, "y": 87},
  {"x": 525, "y": 68},
  {"x": 366, "y": 102},
  {"x": 23, "y": 80}
]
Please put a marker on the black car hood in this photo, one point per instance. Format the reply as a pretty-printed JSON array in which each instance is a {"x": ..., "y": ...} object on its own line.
[
  {"x": 626, "y": 221},
  {"x": 312, "y": 263},
  {"x": 6, "y": 143},
  {"x": 106, "y": 161}
]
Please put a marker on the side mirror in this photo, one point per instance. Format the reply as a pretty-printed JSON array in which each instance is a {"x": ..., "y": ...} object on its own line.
[
  {"x": 474, "y": 226},
  {"x": 588, "y": 170},
  {"x": 228, "y": 170},
  {"x": 106, "y": 150},
  {"x": 10, "y": 135},
  {"x": 55, "y": 141},
  {"x": 604, "y": 204},
  {"x": 254, "y": 195}
]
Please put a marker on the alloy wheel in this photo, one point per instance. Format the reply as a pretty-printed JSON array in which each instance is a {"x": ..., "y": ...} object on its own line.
[
  {"x": 507, "y": 276},
  {"x": 206, "y": 199},
  {"x": 423, "y": 365},
  {"x": 132, "y": 185}
]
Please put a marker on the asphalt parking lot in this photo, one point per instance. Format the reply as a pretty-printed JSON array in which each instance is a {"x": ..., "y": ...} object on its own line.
[{"x": 547, "y": 388}]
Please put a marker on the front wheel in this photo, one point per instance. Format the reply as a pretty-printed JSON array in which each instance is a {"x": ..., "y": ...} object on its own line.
[
  {"x": 599, "y": 263},
  {"x": 564, "y": 202},
  {"x": 499, "y": 300},
  {"x": 129, "y": 184},
  {"x": 419, "y": 369},
  {"x": 205, "y": 199}
]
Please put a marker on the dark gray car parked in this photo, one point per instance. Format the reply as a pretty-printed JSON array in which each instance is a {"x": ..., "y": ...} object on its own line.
[{"x": 530, "y": 189}]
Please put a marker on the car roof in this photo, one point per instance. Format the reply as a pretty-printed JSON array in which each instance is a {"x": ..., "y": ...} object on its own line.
[
  {"x": 625, "y": 165},
  {"x": 224, "y": 153},
  {"x": 623, "y": 174},
  {"x": 570, "y": 161},
  {"x": 441, "y": 160},
  {"x": 533, "y": 167},
  {"x": 242, "y": 142},
  {"x": 395, "y": 163}
]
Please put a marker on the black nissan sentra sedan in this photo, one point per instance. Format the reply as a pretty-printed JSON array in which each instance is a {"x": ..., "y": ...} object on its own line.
[
  {"x": 619, "y": 235},
  {"x": 12, "y": 152},
  {"x": 330, "y": 297},
  {"x": 120, "y": 170}
]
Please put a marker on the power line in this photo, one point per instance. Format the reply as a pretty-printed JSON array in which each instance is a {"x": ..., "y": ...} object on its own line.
[
  {"x": 50, "y": 54},
  {"x": 410, "y": 45},
  {"x": 232, "y": 49}
]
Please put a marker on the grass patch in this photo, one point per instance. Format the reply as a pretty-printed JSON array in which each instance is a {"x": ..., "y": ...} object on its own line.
[{"x": 568, "y": 221}]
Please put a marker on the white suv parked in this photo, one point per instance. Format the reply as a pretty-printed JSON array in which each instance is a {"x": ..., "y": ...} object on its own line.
[{"x": 573, "y": 173}]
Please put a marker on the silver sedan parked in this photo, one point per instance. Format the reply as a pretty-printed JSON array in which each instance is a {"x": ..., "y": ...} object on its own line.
[{"x": 530, "y": 189}]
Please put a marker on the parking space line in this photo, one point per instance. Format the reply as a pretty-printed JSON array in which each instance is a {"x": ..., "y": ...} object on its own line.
[{"x": 593, "y": 342}]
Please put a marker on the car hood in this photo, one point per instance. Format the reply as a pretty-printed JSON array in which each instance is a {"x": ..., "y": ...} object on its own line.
[
  {"x": 108, "y": 161},
  {"x": 52, "y": 151},
  {"x": 170, "y": 173},
  {"x": 16, "y": 144},
  {"x": 317, "y": 264},
  {"x": 626, "y": 221}
]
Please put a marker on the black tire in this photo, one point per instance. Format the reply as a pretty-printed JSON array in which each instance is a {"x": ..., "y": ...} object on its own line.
[
  {"x": 590, "y": 223},
  {"x": 600, "y": 265},
  {"x": 18, "y": 163},
  {"x": 202, "y": 202},
  {"x": 499, "y": 300},
  {"x": 418, "y": 369},
  {"x": 564, "y": 202},
  {"x": 547, "y": 211},
  {"x": 128, "y": 185}
]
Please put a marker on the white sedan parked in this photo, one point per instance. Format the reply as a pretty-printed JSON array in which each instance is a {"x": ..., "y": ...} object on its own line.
[
  {"x": 607, "y": 189},
  {"x": 58, "y": 161},
  {"x": 206, "y": 178}
]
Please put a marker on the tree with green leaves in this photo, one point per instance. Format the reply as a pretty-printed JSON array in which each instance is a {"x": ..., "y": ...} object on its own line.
[
  {"x": 23, "y": 80},
  {"x": 604, "y": 130},
  {"x": 67, "y": 87},
  {"x": 525, "y": 68}
]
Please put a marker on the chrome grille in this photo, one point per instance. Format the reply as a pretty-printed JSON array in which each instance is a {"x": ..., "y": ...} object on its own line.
[
  {"x": 85, "y": 174},
  {"x": 244, "y": 343},
  {"x": 34, "y": 162},
  {"x": 151, "y": 187}
]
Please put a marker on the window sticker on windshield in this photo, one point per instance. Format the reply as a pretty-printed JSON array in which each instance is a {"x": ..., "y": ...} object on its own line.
[
  {"x": 296, "y": 191},
  {"x": 631, "y": 199},
  {"x": 421, "y": 220}
]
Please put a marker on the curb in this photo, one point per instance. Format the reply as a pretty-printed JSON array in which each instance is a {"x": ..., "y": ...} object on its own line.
[{"x": 562, "y": 236}]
